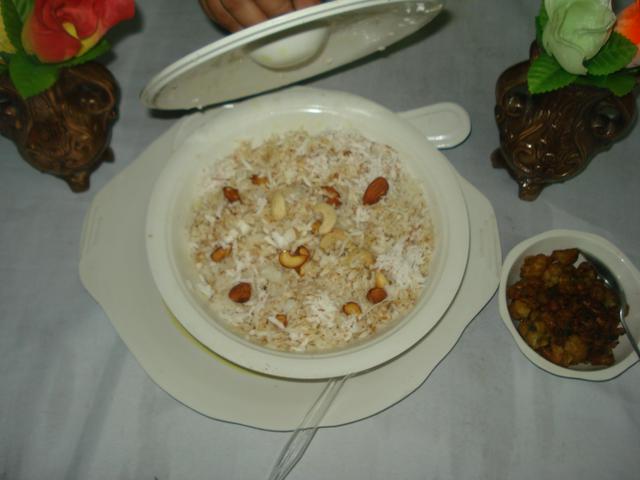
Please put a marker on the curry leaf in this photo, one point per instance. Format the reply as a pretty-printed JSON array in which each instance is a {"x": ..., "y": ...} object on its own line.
[
  {"x": 545, "y": 74},
  {"x": 616, "y": 54},
  {"x": 29, "y": 77},
  {"x": 12, "y": 23}
]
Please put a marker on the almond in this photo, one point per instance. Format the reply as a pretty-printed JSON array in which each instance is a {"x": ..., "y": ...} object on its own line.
[
  {"x": 220, "y": 253},
  {"x": 282, "y": 318},
  {"x": 351, "y": 308},
  {"x": 241, "y": 293},
  {"x": 333, "y": 201},
  {"x": 231, "y": 194},
  {"x": 332, "y": 196},
  {"x": 376, "y": 295},
  {"x": 377, "y": 189},
  {"x": 332, "y": 192},
  {"x": 258, "y": 180}
]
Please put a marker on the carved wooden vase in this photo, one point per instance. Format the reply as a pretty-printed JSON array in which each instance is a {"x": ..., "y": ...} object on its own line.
[
  {"x": 551, "y": 137},
  {"x": 65, "y": 130}
]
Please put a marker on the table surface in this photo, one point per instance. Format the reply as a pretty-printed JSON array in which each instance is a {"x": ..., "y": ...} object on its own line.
[{"x": 75, "y": 404}]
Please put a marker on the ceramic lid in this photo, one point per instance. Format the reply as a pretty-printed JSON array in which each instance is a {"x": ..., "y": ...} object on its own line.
[{"x": 285, "y": 50}]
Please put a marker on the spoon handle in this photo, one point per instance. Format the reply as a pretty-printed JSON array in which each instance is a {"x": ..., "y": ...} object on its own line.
[
  {"x": 301, "y": 437},
  {"x": 632, "y": 339},
  {"x": 610, "y": 279}
]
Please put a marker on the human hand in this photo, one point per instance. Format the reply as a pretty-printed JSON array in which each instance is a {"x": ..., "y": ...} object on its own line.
[{"x": 235, "y": 15}]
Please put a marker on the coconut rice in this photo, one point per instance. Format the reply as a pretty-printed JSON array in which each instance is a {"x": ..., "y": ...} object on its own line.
[{"x": 261, "y": 203}]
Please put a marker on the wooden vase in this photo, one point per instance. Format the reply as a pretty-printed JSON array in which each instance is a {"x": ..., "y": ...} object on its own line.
[
  {"x": 551, "y": 137},
  {"x": 65, "y": 130}
]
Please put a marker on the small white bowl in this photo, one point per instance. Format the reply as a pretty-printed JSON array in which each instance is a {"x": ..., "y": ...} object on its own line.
[{"x": 627, "y": 275}]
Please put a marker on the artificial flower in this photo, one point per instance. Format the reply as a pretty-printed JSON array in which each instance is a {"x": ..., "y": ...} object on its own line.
[
  {"x": 57, "y": 30},
  {"x": 629, "y": 26},
  {"x": 576, "y": 31}
]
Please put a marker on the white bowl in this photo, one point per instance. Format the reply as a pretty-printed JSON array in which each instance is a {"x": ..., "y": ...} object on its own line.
[
  {"x": 315, "y": 110},
  {"x": 626, "y": 274}
]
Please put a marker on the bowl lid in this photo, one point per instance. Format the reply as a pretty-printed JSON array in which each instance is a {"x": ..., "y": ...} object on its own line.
[{"x": 285, "y": 50}]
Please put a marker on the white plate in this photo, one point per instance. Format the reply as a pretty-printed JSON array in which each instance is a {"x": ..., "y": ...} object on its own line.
[
  {"x": 114, "y": 270},
  {"x": 234, "y": 67}
]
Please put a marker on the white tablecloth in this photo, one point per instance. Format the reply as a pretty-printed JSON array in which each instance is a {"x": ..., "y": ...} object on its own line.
[{"x": 75, "y": 404}]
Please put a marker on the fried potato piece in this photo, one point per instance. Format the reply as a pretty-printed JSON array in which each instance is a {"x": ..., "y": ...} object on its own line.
[
  {"x": 565, "y": 257},
  {"x": 566, "y": 313}
]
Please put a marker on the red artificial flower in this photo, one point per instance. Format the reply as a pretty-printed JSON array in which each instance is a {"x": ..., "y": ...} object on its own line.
[
  {"x": 57, "y": 30},
  {"x": 628, "y": 25}
]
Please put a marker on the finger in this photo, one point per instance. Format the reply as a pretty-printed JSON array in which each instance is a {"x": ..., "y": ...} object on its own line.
[
  {"x": 245, "y": 12},
  {"x": 273, "y": 8},
  {"x": 216, "y": 12},
  {"x": 299, "y": 4}
]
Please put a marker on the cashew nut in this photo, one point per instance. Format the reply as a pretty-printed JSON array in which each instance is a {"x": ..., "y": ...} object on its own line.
[
  {"x": 328, "y": 242},
  {"x": 351, "y": 308},
  {"x": 328, "y": 217},
  {"x": 361, "y": 256},
  {"x": 294, "y": 260},
  {"x": 278, "y": 207},
  {"x": 380, "y": 280}
]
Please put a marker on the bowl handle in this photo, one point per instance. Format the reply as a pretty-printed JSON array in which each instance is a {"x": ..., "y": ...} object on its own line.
[{"x": 446, "y": 124}]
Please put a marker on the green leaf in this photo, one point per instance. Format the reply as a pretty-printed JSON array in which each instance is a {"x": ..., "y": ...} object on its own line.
[
  {"x": 592, "y": 80},
  {"x": 545, "y": 74},
  {"x": 99, "y": 49},
  {"x": 632, "y": 71},
  {"x": 31, "y": 77},
  {"x": 23, "y": 7},
  {"x": 3, "y": 68},
  {"x": 619, "y": 84},
  {"x": 12, "y": 23},
  {"x": 541, "y": 21},
  {"x": 616, "y": 54}
]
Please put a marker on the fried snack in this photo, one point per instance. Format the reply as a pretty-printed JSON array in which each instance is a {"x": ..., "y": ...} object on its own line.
[{"x": 565, "y": 313}]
